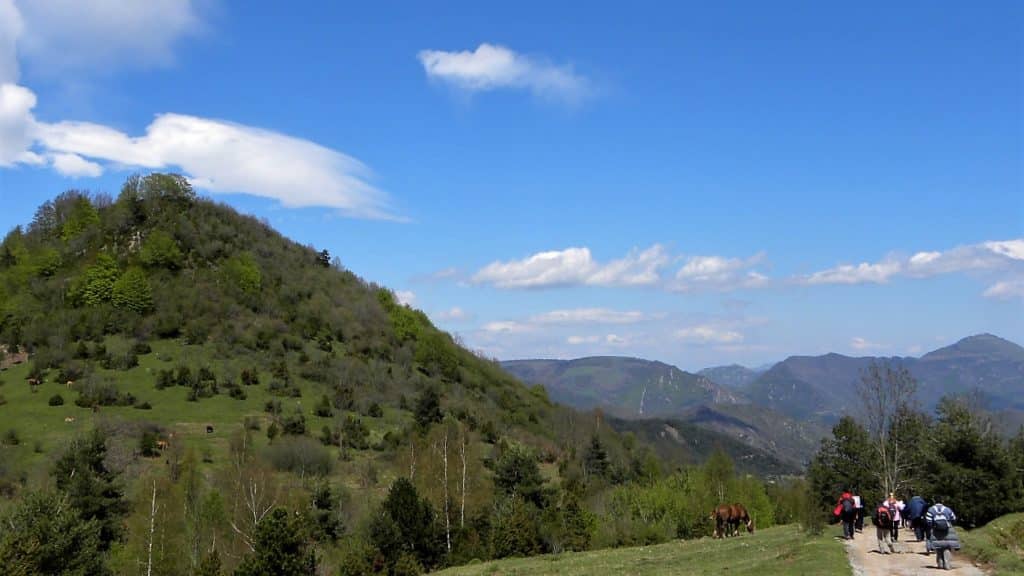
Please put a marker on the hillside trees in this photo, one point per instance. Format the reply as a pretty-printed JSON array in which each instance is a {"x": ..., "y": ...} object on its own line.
[
  {"x": 887, "y": 393},
  {"x": 45, "y": 534},
  {"x": 92, "y": 488}
]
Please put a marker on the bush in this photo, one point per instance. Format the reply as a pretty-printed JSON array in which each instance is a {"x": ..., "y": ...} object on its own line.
[
  {"x": 300, "y": 455},
  {"x": 11, "y": 438},
  {"x": 143, "y": 406},
  {"x": 56, "y": 400},
  {"x": 375, "y": 411}
]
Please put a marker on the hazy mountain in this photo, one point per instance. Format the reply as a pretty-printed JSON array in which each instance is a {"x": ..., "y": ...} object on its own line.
[
  {"x": 732, "y": 376},
  {"x": 624, "y": 387},
  {"x": 824, "y": 387}
]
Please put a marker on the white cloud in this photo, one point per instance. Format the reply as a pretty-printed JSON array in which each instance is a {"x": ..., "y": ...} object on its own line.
[
  {"x": 991, "y": 256},
  {"x": 615, "y": 340},
  {"x": 405, "y": 297},
  {"x": 864, "y": 272},
  {"x": 61, "y": 36},
  {"x": 11, "y": 26},
  {"x": 588, "y": 316},
  {"x": 607, "y": 339},
  {"x": 576, "y": 340},
  {"x": 858, "y": 343},
  {"x": 490, "y": 67},
  {"x": 708, "y": 334},
  {"x": 507, "y": 327},
  {"x": 719, "y": 273},
  {"x": 217, "y": 156},
  {"x": 453, "y": 314},
  {"x": 75, "y": 166},
  {"x": 575, "y": 266},
  {"x": 16, "y": 124},
  {"x": 1006, "y": 290}
]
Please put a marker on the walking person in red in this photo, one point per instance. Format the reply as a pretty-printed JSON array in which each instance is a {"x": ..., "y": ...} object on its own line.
[{"x": 847, "y": 513}]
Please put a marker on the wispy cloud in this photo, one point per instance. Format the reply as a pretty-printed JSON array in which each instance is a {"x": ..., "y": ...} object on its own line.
[
  {"x": 984, "y": 256},
  {"x": 62, "y": 36},
  {"x": 1006, "y": 290},
  {"x": 216, "y": 155},
  {"x": 491, "y": 67},
  {"x": 405, "y": 297},
  {"x": 588, "y": 316},
  {"x": 861, "y": 344},
  {"x": 575, "y": 266},
  {"x": 708, "y": 334},
  {"x": 453, "y": 314}
]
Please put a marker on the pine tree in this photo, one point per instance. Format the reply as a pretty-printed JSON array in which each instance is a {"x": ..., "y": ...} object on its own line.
[{"x": 280, "y": 549}]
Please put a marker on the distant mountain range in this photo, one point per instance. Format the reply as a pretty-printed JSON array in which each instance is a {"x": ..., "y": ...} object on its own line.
[{"x": 783, "y": 410}]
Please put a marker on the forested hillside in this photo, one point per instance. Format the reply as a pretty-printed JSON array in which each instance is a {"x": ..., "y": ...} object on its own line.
[{"x": 188, "y": 392}]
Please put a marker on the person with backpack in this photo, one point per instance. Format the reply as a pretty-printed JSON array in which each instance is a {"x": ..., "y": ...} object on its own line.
[
  {"x": 847, "y": 513},
  {"x": 858, "y": 505},
  {"x": 883, "y": 522},
  {"x": 896, "y": 511},
  {"x": 915, "y": 514},
  {"x": 943, "y": 539}
]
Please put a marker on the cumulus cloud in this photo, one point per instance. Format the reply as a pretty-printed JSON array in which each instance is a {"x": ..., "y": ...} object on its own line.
[
  {"x": 16, "y": 124},
  {"x": 507, "y": 327},
  {"x": 719, "y": 273},
  {"x": 708, "y": 334},
  {"x": 491, "y": 67},
  {"x": 61, "y": 36},
  {"x": 575, "y": 266},
  {"x": 984, "y": 256}
]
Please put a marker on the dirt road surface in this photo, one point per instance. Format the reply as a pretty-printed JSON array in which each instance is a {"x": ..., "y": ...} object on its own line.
[{"x": 909, "y": 560}]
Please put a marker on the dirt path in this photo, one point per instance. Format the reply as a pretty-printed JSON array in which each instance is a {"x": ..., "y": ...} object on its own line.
[{"x": 910, "y": 560}]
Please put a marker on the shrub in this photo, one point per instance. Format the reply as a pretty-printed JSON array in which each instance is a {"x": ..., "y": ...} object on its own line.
[
  {"x": 143, "y": 406},
  {"x": 11, "y": 437},
  {"x": 300, "y": 455},
  {"x": 56, "y": 400}
]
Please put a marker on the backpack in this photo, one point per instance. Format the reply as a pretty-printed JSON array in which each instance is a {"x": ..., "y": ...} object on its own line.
[
  {"x": 847, "y": 506},
  {"x": 940, "y": 521},
  {"x": 884, "y": 516}
]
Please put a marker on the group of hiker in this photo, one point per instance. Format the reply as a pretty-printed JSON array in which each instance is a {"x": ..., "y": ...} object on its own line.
[{"x": 932, "y": 524}]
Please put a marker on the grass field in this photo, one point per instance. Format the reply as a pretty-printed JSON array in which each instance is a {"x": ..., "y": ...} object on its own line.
[
  {"x": 999, "y": 545},
  {"x": 782, "y": 550}
]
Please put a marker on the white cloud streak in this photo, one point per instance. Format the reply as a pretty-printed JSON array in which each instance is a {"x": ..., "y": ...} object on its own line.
[
  {"x": 405, "y": 297},
  {"x": 858, "y": 343},
  {"x": 984, "y": 256},
  {"x": 1006, "y": 290},
  {"x": 708, "y": 334},
  {"x": 491, "y": 67},
  {"x": 588, "y": 316}
]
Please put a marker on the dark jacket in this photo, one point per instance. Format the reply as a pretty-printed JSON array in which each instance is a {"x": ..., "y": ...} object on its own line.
[{"x": 916, "y": 508}]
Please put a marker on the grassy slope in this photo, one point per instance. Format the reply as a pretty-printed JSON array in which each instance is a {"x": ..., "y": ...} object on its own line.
[
  {"x": 38, "y": 423},
  {"x": 988, "y": 544},
  {"x": 782, "y": 550}
]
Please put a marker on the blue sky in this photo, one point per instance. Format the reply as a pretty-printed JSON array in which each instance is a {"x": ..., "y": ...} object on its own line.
[{"x": 690, "y": 183}]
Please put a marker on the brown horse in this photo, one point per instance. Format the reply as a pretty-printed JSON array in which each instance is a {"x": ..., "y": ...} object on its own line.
[{"x": 727, "y": 518}]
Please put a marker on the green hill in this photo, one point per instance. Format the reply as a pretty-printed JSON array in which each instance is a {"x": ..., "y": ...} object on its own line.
[{"x": 782, "y": 550}]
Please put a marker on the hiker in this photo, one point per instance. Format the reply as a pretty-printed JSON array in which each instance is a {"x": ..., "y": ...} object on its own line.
[
  {"x": 858, "y": 505},
  {"x": 943, "y": 538},
  {"x": 847, "y": 513},
  {"x": 883, "y": 522},
  {"x": 896, "y": 509},
  {"x": 915, "y": 514}
]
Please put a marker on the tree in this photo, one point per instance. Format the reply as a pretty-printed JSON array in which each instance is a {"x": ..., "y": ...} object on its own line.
[
  {"x": 45, "y": 534},
  {"x": 843, "y": 463},
  {"x": 719, "y": 472},
  {"x": 160, "y": 250},
  {"x": 98, "y": 281},
  {"x": 406, "y": 525},
  {"x": 517, "y": 474},
  {"x": 324, "y": 258},
  {"x": 595, "y": 462},
  {"x": 93, "y": 489},
  {"x": 428, "y": 407},
  {"x": 280, "y": 548},
  {"x": 210, "y": 565},
  {"x": 887, "y": 393},
  {"x": 132, "y": 292}
]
